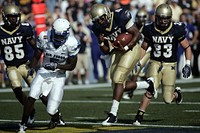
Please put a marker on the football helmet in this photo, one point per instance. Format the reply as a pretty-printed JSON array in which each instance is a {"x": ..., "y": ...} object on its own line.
[
  {"x": 163, "y": 16},
  {"x": 141, "y": 17},
  {"x": 100, "y": 15},
  {"x": 60, "y": 31},
  {"x": 11, "y": 16}
]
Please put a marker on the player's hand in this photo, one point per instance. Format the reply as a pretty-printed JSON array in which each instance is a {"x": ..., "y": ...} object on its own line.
[
  {"x": 101, "y": 38},
  {"x": 30, "y": 72},
  {"x": 51, "y": 66},
  {"x": 186, "y": 71},
  {"x": 120, "y": 47}
]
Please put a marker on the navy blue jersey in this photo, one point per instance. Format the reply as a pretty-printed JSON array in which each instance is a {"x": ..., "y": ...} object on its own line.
[
  {"x": 14, "y": 44},
  {"x": 164, "y": 44},
  {"x": 119, "y": 19}
]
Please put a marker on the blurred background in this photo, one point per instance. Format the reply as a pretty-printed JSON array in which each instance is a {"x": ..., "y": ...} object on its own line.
[{"x": 41, "y": 14}]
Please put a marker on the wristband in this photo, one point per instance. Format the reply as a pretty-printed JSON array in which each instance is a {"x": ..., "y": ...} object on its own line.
[
  {"x": 126, "y": 48},
  {"x": 102, "y": 44},
  {"x": 188, "y": 62}
]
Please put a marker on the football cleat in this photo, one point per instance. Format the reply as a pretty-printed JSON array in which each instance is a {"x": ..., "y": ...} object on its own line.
[
  {"x": 151, "y": 87},
  {"x": 128, "y": 95},
  {"x": 22, "y": 128},
  {"x": 61, "y": 121},
  {"x": 179, "y": 99},
  {"x": 138, "y": 120},
  {"x": 31, "y": 118},
  {"x": 52, "y": 124},
  {"x": 110, "y": 119}
]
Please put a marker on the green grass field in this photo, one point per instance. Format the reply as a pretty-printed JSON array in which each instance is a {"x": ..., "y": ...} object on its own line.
[{"x": 83, "y": 110}]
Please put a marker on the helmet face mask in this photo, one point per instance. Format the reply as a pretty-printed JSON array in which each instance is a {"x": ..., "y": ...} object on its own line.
[
  {"x": 60, "y": 32},
  {"x": 141, "y": 17},
  {"x": 11, "y": 16},
  {"x": 163, "y": 22},
  {"x": 101, "y": 15},
  {"x": 163, "y": 16}
]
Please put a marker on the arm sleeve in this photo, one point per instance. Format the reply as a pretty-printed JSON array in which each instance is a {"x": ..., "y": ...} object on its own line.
[{"x": 182, "y": 31}]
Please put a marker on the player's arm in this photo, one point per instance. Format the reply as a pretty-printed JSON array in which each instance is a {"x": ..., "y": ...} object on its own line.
[
  {"x": 30, "y": 38},
  {"x": 131, "y": 28},
  {"x": 188, "y": 52},
  {"x": 36, "y": 58},
  {"x": 181, "y": 33},
  {"x": 144, "y": 47},
  {"x": 32, "y": 41},
  {"x": 136, "y": 36},
  {"x": 70, "y": 65},
  {"x": 188, "y": 55},
  {"x": 104, "y": 44}
]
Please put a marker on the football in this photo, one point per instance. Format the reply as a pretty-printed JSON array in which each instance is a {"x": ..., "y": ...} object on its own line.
[{"x": 123, "y": 39}]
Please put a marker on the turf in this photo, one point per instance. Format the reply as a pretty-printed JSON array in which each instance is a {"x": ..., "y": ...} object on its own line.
[{"x": 83, "y": 110}]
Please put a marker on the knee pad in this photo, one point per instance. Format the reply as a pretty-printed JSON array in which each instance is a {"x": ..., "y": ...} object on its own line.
[{"x": 148, "y": 95}]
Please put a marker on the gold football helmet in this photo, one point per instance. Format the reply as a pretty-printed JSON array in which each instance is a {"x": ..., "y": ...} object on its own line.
[
  {"x": 100, "y": 15},
  {"x": 141, "y": 17},
  {"x": 163, "y": 15},
  {"x": 11, "y": 16}
]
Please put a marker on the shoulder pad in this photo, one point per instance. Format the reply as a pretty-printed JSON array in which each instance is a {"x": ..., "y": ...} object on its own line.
[
  {"x": 73, "y": 45},
  {"x": 41, "y": 39}
]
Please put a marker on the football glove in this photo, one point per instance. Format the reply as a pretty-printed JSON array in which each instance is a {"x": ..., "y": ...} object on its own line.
[
  {"x": 186, "y": 71},
  {"x": 52, "y": 66},
  {"x": 30, "y": 72}
]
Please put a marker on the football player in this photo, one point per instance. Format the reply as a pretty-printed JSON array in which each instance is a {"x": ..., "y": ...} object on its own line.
[
  {"x": 107, "y": 26},
  {"x": 141, "y": 19},
  {"x": 60, "y": 55},
  {"x": 164, "y": 36},
  {"x": 14, "y": 36}
]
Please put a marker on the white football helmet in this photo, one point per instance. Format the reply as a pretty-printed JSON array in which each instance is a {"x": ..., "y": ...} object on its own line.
[{"x": 60, "y": 31}]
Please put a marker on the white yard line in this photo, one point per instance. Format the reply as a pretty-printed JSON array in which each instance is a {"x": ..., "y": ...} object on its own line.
[
  {"x": 99, "y": 101},
  {"x": 116, "y": 124}
]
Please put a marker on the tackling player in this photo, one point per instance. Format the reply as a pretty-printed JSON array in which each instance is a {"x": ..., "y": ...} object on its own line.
[
  {"x": 107, "y": 26},
  {"x": 164, "y": 36},
  {"x": 60, "y": 55},
  {"x": 14, "y": 40}
]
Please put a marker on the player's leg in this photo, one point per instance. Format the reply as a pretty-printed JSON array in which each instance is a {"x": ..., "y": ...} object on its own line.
[
  {"x": 170, "y": 93},
  {"x": 15, "y": 79},
  {"x": 152, "y": 71},
  {"x": 46, "y": 88},
  {"x": 132, "y": 84},
  {"x": 34, "y": 94},
  {"x": 54, "y": 99},
  {"x": 121, "y": 67},
  {"x": 28, "y": 79}
]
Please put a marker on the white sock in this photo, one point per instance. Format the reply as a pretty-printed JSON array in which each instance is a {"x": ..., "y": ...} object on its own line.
[
  {"x": 142, "y": 84},
  {"x": 114, "y": 107}
]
